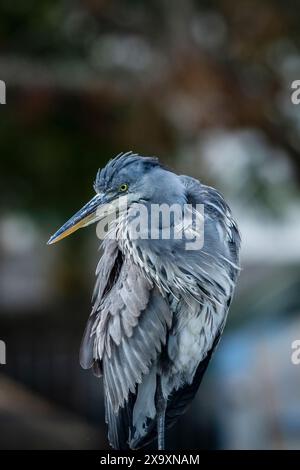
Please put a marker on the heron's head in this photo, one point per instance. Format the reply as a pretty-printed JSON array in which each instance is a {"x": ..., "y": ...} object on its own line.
[{"x": 125, "y": 180}]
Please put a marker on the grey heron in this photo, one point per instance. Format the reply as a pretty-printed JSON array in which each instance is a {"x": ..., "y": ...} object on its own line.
[{"x": 159, "y": 308}]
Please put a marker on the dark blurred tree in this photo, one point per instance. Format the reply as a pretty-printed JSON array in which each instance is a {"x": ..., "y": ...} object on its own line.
[{"x": 87, "y": 79}]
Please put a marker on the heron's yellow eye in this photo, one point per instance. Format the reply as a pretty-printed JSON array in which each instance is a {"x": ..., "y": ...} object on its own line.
[{"x": 123, "y": 187}]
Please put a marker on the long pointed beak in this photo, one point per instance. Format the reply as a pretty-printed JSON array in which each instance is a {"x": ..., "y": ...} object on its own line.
[{"x": 85, "y": 216}]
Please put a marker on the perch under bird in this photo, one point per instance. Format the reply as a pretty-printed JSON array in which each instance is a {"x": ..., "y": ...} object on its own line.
[{"x": 159, "y": 308}]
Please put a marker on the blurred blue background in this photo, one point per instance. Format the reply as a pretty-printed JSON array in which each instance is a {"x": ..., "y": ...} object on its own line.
[{"x": 204, "y": 85}]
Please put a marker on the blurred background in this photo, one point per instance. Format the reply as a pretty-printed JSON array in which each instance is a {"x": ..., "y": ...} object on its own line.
[{"x": 204, "y": 85}]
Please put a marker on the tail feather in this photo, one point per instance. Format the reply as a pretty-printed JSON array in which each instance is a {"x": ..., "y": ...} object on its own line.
[
  {"x": 130, "y": 424},
  {"x": 135, "y": 425},
  {"x": 119, "y": 424}
]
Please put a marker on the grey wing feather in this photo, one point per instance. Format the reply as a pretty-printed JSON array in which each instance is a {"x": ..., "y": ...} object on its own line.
[
  {"x": 124, "y": 336},
  {"x": 133, "y": 357},
  {"x": 107, "y": 269},
  {"x": 115, "y": 320},
  {"x": 127, "y": 327},
  {"x": 129, "y": 366}
]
